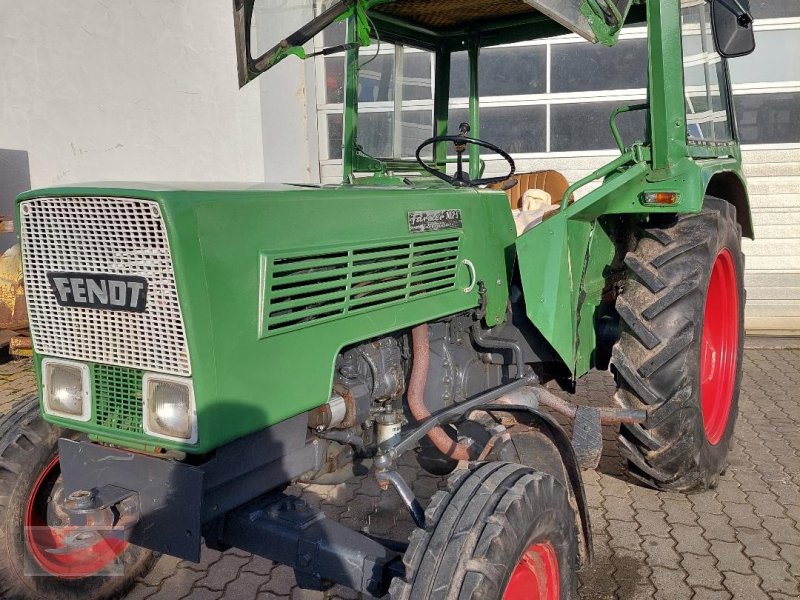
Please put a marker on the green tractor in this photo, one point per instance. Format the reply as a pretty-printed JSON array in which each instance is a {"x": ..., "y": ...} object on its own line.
[{"x": 199, "y": 349}]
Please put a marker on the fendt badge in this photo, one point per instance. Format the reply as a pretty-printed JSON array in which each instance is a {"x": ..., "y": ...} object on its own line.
[{"x": 98, "y": 290}]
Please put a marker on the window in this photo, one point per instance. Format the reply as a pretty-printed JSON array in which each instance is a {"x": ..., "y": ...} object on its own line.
[
  {"x": 556, "y": 94},
  {"x": 770, "y": 9},
  {"x": 768, "y": 118},
  {"x": 588, "y": 68},
  {"x": 380, "y": 132},
  {"x": 704, "y": 77}
]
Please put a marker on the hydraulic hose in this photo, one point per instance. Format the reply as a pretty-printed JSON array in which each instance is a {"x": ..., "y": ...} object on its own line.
[{"x": 416, "y": 396}]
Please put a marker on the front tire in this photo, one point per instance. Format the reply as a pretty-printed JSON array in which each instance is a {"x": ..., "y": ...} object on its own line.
[
  {"x": 504, "y": 532},
  {"x": 29, "y": 479},
  {"x": 680, "y": 351}
]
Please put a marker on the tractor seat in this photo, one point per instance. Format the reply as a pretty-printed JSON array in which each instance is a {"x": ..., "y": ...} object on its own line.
[{"x": 552, "y": 182}]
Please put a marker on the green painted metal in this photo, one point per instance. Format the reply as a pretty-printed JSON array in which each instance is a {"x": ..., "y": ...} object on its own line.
[
  {"x": 264, "y": 330},
  {"x": 245, "y": 377},
  {"x": 474, "y": 109}
]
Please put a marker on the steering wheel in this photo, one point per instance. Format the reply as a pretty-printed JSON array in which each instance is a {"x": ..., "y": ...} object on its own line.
[{"x": 460, "y": 141}]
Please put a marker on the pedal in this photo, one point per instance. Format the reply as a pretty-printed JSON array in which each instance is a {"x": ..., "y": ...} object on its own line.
[{"x": 587, "y": 437}]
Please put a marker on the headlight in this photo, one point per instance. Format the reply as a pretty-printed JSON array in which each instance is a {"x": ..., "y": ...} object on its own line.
[
  {"x": 66, "y": 389},
  {"x": 169, "y": 410}
]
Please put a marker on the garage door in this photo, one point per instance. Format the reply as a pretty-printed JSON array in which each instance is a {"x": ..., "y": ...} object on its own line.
[{"x": 772, "y": 273}]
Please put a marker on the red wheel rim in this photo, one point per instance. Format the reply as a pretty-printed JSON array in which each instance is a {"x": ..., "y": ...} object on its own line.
[
  {"x": 43, "y": 540},
  {"x": 536, "y": 576},
  {"x": 719, "y": 346}
]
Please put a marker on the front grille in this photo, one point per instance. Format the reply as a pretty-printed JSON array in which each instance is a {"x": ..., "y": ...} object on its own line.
[
  {"x": 117, "y": 398},
  {"x": 114, "y": 236},
  {"x": 306, "y": 288}
]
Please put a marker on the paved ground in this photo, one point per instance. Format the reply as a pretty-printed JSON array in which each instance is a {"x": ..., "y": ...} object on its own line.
[{"x": 740, "y": 541}]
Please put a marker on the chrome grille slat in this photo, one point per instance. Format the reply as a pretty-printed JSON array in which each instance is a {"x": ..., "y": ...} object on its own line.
[{"x": 115, "y": 236}]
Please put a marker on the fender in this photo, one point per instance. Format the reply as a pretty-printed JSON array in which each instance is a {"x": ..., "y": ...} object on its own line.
[{"x": 550, "y": 427}]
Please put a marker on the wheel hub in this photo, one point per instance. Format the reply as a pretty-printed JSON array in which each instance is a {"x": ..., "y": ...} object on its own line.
[
  {"x": 536, "y": 576},
  {"x": 719, "y": 346},
  {"x": 52, "y": 545}
]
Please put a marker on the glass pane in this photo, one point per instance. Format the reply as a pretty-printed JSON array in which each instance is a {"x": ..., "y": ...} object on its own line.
[
  {"x": 509, "y": 71},
  {"x": 459, "y": 75},
  {"x": 767, "y": 9},
  {"x": 719, "y": 107},
  {"x": 580, "y": 127},
  {"x": 335, "y": 34},
  {"x": 502, "y": 72},
  {"x": 375, "y": 133},
  {"x": 376, "y": 77},
  {"x": 334, "y": 79},
  {"x": 768, "y": 118},
  {"x": 334, "y": 136},
  {"x": 416, "y": 127},
  {"x": 584, "y": 67},
  {"x": 515, "y": 129},
  {"x": 704, "y": 76},
  {"x": 775, "y": 59},
  {"x": 417, "y": 78}
]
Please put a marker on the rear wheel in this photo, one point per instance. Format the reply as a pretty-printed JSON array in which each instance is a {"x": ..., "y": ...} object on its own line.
[
  {"x": 35, "y": 560},
  {"x": 680, "y": 352},
  {"x": 504, "y": 532}
]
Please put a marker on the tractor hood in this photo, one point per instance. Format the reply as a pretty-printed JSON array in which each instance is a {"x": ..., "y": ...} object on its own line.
[{"x": 260, "y": 44}]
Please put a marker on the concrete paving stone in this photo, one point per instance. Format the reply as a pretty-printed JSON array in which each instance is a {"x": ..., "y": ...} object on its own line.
[
  {"x": 689, "y": 538},
  {"x": 245, "y": 585},
  {"x": 179, "y": 585},
  {"x": 701, "y": 593},
  {"x": 201, "y": 593},
  {"x": 223, "y": 571},
  {"x": 614, "y": 508},
  {"x": 782, "y": 531},
  {"x": 775, "y": 577},
  {"x": 716, "y": 527},
  {"x": 654, "y": 523},
  {"x": 670, "y": 584},
  {"x": 741, "y": 515},
  {"x": 706, "y": 503},
  {"x": 746, "y": 587},
  {"x": 728, "y": 491},
  {"x": 679, "y": 511},
  {"x": 791, "y": 555},
  {"x": 207, "y": 558},
  {"x": 765, "y": 504},
  {"x": 623, "y": 535},
  {"x": 757, "y": 542},
  {"x": 165, "y": 567},
  {"x": 259, "y": 565},
  {"x": 730, "y": 557},
  {"x": 702, "y": 570},
  {"x": 661, "y": 552},
  {"x": 141, "y": 592},
  {"x": 281, "y": 581}
]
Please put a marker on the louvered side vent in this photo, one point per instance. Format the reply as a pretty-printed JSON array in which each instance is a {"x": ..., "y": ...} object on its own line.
[{"x": 304, "y": 289}]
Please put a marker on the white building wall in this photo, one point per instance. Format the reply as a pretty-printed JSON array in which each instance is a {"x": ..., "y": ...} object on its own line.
[{"x": 140, "y": 90}]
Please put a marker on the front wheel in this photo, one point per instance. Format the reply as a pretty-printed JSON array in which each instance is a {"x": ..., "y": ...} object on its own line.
[
  {"x": 504, "y": 532},
  {"x": 680, "y": 352},
  {"x": 35, "y": 561}
]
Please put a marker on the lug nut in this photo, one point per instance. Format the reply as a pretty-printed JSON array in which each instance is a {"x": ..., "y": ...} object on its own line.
[{"x": 81, "y": 499}]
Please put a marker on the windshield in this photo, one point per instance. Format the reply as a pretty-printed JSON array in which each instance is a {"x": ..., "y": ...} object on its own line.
[{"x": 267, "y": 31}]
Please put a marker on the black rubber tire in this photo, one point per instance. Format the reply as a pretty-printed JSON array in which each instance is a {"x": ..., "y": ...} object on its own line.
[
  {"x": 478, "y": 531},
  {"x": 27, "y": 446},
  {"x": 657, "y": 360}
]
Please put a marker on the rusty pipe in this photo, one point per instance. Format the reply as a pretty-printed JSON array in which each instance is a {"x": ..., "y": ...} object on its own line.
[
  {"x": 608, "y": 416},
  {"x": 416, "y": 395}
]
